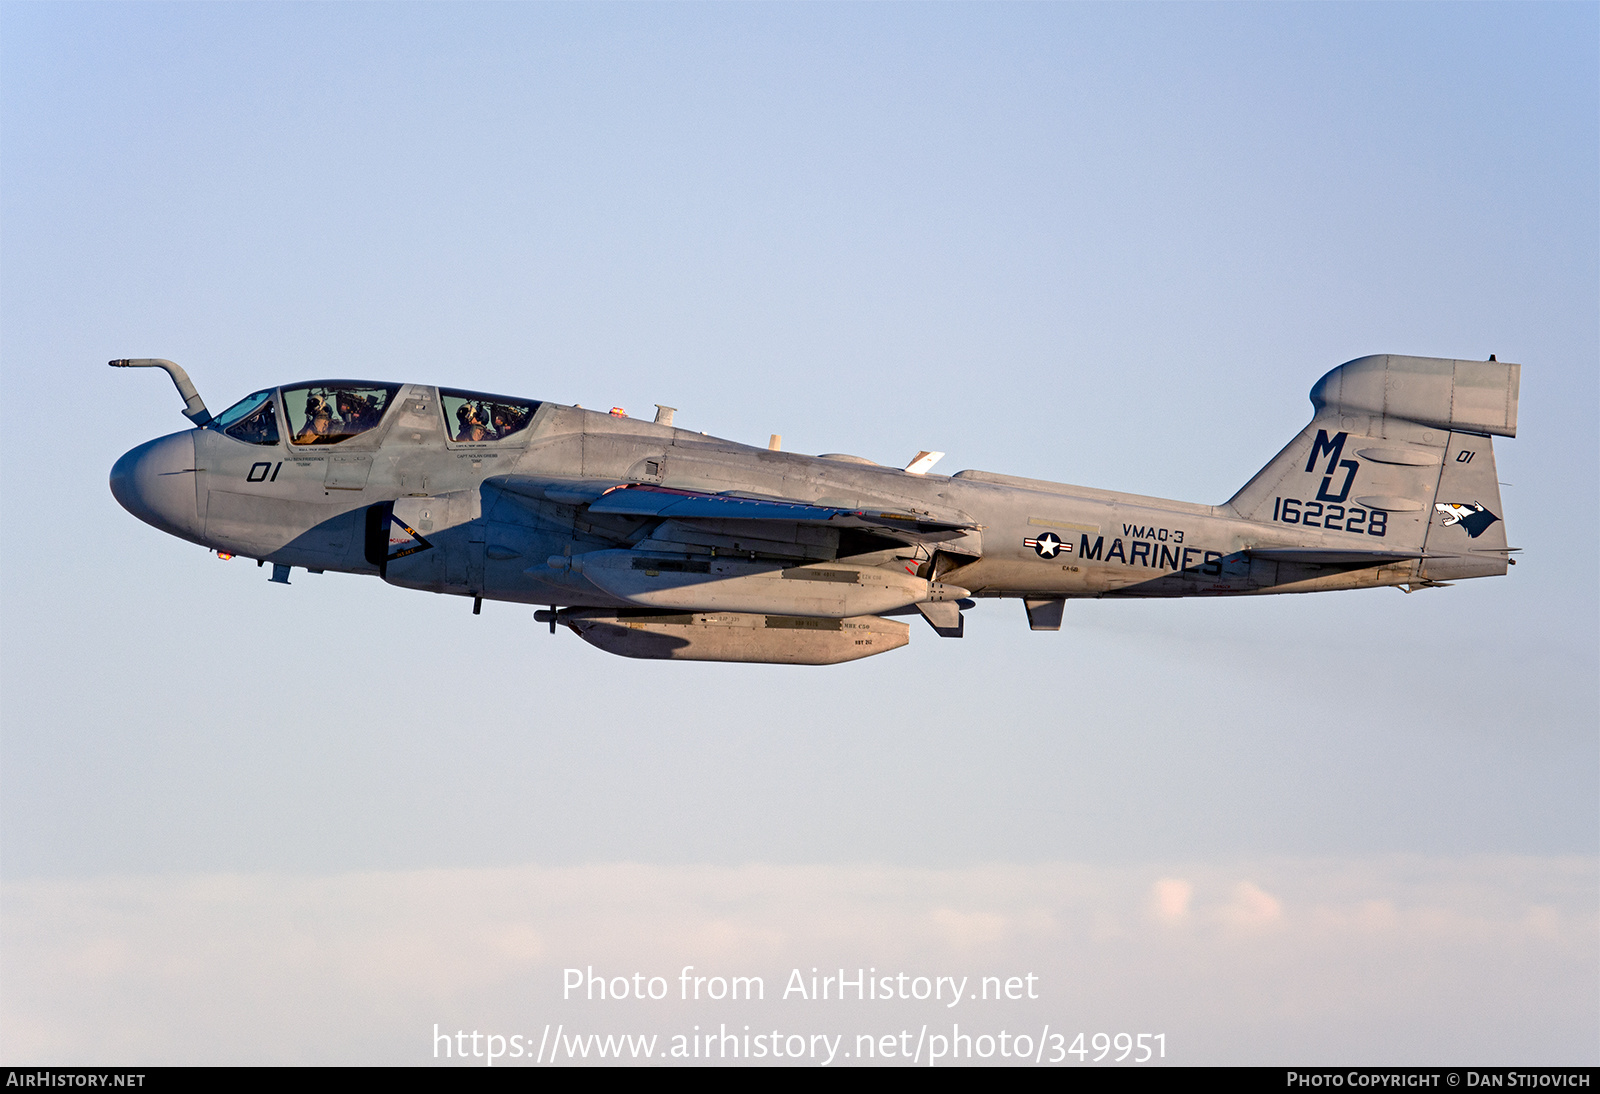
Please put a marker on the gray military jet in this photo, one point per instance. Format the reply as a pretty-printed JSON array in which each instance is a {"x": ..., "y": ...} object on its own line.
[{"x": 656, "y": 542}]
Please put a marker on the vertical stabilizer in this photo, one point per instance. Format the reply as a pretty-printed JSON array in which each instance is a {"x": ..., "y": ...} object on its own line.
[{"x": 1390, "y": 436}]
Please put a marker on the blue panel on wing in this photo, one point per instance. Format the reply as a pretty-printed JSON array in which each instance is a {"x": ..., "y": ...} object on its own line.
[{"x": 657, "y": 501}]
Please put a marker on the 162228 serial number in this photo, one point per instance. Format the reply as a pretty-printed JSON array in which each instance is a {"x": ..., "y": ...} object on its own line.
[{"x": 1335, "y": 518}]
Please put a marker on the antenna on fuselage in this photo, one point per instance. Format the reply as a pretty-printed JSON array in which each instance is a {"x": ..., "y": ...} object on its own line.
[{"x": 194, "y": 407}]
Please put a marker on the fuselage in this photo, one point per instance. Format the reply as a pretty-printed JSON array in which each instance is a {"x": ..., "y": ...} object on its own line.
[{"x": 293, "y": 496}]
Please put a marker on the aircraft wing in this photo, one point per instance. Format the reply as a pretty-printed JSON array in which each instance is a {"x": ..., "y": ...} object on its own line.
[
  {"x": 1330, "y": 556},
  {"x": 643, "y": 500},
  {"x": 634, "y": 499},
  {"x": 560, "y": 491}
]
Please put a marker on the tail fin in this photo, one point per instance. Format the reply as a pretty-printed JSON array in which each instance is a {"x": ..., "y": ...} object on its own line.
[{"x": 1398, "y": 453}]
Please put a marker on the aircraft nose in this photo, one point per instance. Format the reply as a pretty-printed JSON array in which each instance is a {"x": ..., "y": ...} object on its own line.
[{"x": 156, "y": 483}]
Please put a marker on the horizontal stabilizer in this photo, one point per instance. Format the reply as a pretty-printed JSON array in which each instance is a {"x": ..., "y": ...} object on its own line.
[
  {"x": 1330, "y": 556},
  {"x": 1479, "y": 396}
]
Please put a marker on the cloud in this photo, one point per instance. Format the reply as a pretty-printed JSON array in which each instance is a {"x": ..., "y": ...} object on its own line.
[
  {"x": 1289, "y": 960},
  {"x": 1252, "y": 907},
  {"x": 968, "y": 929},
  {"x": 1170, "y": 897}
]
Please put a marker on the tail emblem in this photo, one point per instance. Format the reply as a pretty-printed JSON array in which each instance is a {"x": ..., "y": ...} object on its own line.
[
  {"x": 1048, "y": 545},
  {"x": 1474, "y": 518}
]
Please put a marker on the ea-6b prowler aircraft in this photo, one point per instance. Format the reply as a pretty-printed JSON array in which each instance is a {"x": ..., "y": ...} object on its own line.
[{"x": 655, "y": 542}]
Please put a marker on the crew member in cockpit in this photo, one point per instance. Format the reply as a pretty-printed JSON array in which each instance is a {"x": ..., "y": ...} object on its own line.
[
  {"x": 358, "y": 414},
  {"x": 349, "y": 411},
  {"x": 319, "y": 421},
  {"x": 506, "y": 421},
  {"x": 473, "y": 427}
]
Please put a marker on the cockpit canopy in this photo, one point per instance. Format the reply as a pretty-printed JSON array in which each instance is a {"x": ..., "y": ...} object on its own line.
[
  {"x": 473, "y": 416},
  {"x": 333, "y": 411},
  {"x": 322, "y": 412},
  {"x": 253, "y": 419}
]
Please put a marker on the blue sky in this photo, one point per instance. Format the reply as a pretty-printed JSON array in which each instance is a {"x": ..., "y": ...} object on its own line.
[{"x": 1112, "y": 245}]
